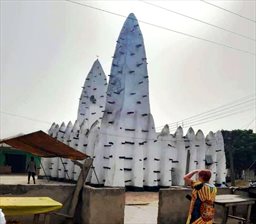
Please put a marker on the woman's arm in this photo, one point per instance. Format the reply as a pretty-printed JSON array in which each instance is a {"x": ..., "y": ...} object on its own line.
[{"x": 187, "y": 177}]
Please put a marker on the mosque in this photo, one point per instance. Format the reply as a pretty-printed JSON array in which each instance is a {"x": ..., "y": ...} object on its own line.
[{"x": 115, "y": 127}]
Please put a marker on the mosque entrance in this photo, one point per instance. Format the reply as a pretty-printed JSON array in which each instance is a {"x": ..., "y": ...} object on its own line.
[{"x": 17, "y": 162}]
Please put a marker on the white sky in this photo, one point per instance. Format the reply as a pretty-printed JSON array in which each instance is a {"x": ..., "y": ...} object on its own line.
[{"x": 48, "y": 48}]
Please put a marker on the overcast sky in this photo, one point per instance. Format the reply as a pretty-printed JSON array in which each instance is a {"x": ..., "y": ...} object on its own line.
[{"x": 48, "y": 48}]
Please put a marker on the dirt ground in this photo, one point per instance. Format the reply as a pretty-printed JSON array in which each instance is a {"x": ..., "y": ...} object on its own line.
[
  {"x": 133, "y": 198},
  {"x": 22, "y": 179},
  {"x": 141, "y": 207}
]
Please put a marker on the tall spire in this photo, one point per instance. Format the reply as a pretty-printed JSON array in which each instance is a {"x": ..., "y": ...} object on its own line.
[
  {"x": 127, "y": 122},
  {"x": 128, "y": 84},
  {"x": 92, "y": 100}
]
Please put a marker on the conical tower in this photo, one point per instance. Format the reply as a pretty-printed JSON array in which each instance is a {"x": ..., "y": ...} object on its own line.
[
  {"x": 127, "y": 122},
  {"x": 93, "y": 96}
]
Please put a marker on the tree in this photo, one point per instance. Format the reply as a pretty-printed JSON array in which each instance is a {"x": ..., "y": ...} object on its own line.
[{"x": 241, "y": 145}]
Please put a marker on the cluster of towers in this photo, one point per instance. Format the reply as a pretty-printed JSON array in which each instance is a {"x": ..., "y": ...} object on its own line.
[{"x": 115, "y": 127}]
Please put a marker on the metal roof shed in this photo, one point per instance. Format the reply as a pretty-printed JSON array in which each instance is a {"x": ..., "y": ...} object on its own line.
[{"x": 41, "y": 144}]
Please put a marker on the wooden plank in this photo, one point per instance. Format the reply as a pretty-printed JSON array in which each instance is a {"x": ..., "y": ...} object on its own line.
[
  {"x": 75, "y": 197},
  {"x": 80, "y": 183}
]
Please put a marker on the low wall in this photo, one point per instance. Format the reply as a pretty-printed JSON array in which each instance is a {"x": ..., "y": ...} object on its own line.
[
  {"x": 106, "y": 205},
  {"x": 99, "y": 205},
  {"x": 173, "y": 205},
  {"x": 61, "y": 193},
  {"x": 103, "y": 205}
]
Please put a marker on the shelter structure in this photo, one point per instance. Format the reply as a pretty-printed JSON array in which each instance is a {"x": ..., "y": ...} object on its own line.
[{"x": 42, "y": 145}]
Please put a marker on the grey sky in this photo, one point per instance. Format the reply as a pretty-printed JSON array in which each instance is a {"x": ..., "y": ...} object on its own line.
[{"x": 48, "y": 48}]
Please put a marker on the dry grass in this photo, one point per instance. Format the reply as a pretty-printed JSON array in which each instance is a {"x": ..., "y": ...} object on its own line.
[
  {"x": 241, "y": 183},
  {"x": 141, "y": 197}
]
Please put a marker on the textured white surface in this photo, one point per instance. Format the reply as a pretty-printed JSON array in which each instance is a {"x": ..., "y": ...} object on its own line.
[
  {"x": 50, "y": 131},
  {"x": 91, "y": 149},
  {"x": 82, "y": 145},
  {"x": 117, "y": 128},
  {"x": 201, "y": 149},
  {"x": 93, "y": 96},
  {"x": 180, "y": 165},
  {"x": 83, "y": 137},
  {"x": 48, "y": 167},
  {"x": 55, "y": 161},
  {"x": 61, "y": 171},
  {"x": 46, "y": 162},
  {"x": 127, "y": 120},
  {"x": 221, "y": 159},
  {"x": 211, "y": 147},
  {"x": 192, "y": 149},
  {"x": 73, "y": 143},
  {"x": 165, "y": 144}
]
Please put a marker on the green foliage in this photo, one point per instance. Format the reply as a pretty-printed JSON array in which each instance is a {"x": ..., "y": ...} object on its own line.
[{"x": 243, "y": 146}]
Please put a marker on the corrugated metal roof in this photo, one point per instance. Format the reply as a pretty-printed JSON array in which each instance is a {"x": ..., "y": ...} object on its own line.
[{"x": 41, "y": 144}]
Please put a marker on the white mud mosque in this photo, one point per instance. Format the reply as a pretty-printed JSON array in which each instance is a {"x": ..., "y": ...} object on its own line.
[{"x": 115, "y": 127}]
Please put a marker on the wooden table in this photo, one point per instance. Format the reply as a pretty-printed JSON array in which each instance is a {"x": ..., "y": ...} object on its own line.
[
  {"x": 29, "y": 206},
  {"x": 233, "y": 200}
]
